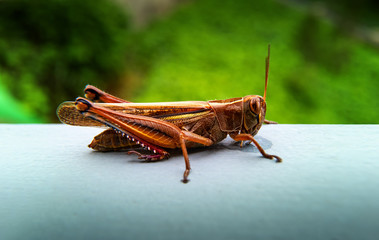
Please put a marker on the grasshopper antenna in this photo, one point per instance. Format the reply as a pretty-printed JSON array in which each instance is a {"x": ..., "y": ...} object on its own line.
[{"x": 267, "y": 67}]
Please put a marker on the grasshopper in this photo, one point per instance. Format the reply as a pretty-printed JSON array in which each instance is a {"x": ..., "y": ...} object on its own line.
[{"x": 158, "y": 127}]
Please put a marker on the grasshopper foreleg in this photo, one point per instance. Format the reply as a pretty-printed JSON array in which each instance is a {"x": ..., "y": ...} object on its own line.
[{"x": 248, "y": 137}]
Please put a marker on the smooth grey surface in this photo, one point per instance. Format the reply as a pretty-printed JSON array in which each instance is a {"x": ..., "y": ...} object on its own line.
[{"x": 53, "y": 187}]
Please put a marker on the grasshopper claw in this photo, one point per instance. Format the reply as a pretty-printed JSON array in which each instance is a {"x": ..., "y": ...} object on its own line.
[{"x": 185, "y": 180}]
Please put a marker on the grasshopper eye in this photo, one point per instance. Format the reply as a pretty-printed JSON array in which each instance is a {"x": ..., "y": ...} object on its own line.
[{"x": 255, "y": 106}]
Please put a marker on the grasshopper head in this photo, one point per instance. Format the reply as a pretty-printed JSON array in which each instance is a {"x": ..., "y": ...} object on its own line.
[{"x": 254, "y": 113}]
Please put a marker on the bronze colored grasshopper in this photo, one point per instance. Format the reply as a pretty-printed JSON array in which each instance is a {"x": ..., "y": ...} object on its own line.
[{"x": 160, "y": 126}]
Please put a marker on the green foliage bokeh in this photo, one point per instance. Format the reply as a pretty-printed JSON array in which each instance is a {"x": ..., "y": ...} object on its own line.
[
  {"x": 50, "y": 49},
  {"x": 319, "y": 71}
]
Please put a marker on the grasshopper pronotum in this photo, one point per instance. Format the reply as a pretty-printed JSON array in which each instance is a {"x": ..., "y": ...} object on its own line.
[{"x": 161, "y": 126}]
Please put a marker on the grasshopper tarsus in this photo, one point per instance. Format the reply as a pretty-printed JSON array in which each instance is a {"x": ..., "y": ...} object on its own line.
[
  {"x": 185, "y": 176},
  {"x": 272, "y": 157},
  {"x": 185, "y": 181},
  {"x": 278, "y": 159}
]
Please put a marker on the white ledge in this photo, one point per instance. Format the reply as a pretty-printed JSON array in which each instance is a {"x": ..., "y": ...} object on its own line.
[{"x": 53, "y": 187}]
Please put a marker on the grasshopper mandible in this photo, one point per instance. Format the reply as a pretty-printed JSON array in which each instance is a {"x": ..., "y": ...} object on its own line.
[{"x": 161, "y": 126}]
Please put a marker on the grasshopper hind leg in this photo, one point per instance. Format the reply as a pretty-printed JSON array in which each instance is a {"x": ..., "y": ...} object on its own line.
[
  {"x": 112, "y": 140},
  {"x": 151, "y": 157},
  {"x": 145, "y": 131},
  {"x": 95, "y": 94}
]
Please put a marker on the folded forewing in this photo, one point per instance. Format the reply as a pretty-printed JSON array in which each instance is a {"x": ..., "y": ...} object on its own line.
[{"x": 175, "y": 112}]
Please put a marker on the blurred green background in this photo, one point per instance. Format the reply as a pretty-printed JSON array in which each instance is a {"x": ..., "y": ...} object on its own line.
[{"x": 324, "y": 56}]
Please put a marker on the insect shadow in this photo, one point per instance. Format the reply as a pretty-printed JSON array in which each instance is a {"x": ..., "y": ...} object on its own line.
[{"x": 226, "y": 145}]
